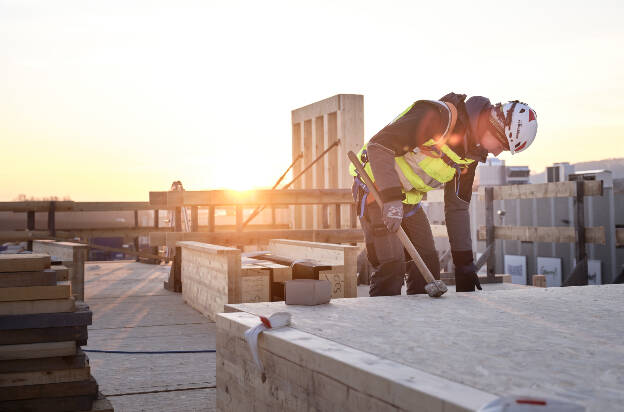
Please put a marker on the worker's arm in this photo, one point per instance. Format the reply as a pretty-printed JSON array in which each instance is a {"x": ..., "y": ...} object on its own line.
[
  {"x": 421, "y": 123},
  {"x": 456, "y": 204}
]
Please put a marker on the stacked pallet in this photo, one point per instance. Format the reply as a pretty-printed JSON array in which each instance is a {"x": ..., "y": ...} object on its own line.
[{"x": 41, "y": 330}]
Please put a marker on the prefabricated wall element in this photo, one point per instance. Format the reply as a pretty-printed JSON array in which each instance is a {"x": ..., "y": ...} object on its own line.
[
  {"x": 213, "y": 276},
  {"x": 414, "y": 353},
  {"x": 73, "y": 256},
  {"x": 316, "y": 127},
  {"x": 305, "y": 372},
  {"x": 342, "y": 258}
]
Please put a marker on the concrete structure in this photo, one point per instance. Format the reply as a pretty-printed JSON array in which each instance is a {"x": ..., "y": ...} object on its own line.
[{"x": 414, "y": 353}]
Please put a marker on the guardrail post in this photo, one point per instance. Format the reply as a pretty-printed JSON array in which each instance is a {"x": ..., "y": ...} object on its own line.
[
  {"x": 324, "y": 217},
  {"x": 490, "y": 241},
  {"x": 211, "y": 219},
  {"x": 579, "y": 226},
  {"x": 156, "y": 225},
  {"x": 338, "y": 217},
  {"x": 239, "y": 218},
  {"x": 136, "y": 238},
  {"x": 178, "y": 219},
  {"x": 30, "y": 225},
  {"x": 194, "y": 219},
  {"x": 51, "y": 218}
]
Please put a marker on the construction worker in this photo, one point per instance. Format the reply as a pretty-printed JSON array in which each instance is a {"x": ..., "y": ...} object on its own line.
[{"x": 430, "y": 145}]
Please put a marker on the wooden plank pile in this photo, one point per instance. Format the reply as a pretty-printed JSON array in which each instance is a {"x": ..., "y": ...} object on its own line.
[{"x": 41, "y": 330}]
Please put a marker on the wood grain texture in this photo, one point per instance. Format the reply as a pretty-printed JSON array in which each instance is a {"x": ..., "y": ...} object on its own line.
[
  {"x": 37, "y": 350},
  {"x": 82, "y": 316},
  {"x": 24, "y": 262},
  {"x": 548, "y": 234},
  {"x": 46, "y": 277},
  {"x": 256, "y": 197},
  {"x": 543, "y": 190},
  {"x": 41, "y": 335},
  {"x": 44, "y": 377},
  {"x": 50, "y": 390},
  {"x": 258, "y": 237},
  {"x": 61, "y": 271},
  {"x": 61, "y": 290},
  {"x": 29, "y": 307},
  {"x": 79, "y": 360},
  {"x": 495, "y": 330},
  {"x": 62, "y": 404},
  {"x": 304, "y": 372},
  {"x": 342, "y": 256},
  {"x": 210, "y": 275}
]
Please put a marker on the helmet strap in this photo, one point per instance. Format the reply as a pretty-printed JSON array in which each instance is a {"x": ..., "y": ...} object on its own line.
[{"x": 497, "y": 126}]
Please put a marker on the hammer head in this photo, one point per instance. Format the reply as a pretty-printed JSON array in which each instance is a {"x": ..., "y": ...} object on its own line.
[{"x": 436, "y": 288}]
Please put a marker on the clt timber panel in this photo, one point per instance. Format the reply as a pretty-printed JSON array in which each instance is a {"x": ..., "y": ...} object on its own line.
[
  {"x": 315, "y": 128},
  {"x": 213, "y": 276},
  {"x": 343, "y": 258},
  {"x": 73, "y": 255},
  {"x": 471, "y": 355}
]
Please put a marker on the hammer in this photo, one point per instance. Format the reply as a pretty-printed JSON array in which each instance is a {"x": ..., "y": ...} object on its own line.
[{"x": 434, "y": 288}]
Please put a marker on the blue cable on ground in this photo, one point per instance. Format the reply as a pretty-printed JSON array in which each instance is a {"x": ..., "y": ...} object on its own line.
[{"x": 148, "y": 352}]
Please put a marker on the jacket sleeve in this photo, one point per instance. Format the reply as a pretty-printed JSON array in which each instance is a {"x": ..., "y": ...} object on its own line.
[
  {"x": 413, "y": 129},
  {"x": 456, "y": 204}
]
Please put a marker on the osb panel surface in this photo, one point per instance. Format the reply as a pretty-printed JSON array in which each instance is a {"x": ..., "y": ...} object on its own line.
[{"x": 558, "y": 342}]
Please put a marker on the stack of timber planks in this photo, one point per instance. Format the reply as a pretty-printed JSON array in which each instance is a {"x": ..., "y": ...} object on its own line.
[{"x": 41, "y": 330}]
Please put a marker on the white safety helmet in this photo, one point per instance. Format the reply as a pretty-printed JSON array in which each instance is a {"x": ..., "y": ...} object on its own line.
[{"x": 520, "y": 125}]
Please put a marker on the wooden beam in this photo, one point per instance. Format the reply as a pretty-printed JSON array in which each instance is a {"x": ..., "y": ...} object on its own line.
[
  {"x": 253, "y": 197},
  {"x": 24, "y": 262},
  {"x": 547, "y": 234},
  {"x": 543, "y": 190},
  {"x": 36, "y": 206},
  {"x": 110, "y": 206},
  {"x": 61, "y": 290},
  {"x": 125, "y": 232},
  {"x": 619, "y": 236},
  {"x": 70, "y": 206},
  {"x": 260, "y": 236}
]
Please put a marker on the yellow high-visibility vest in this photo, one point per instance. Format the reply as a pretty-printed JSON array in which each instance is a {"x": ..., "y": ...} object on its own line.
[{"x": 428, "y": 167}]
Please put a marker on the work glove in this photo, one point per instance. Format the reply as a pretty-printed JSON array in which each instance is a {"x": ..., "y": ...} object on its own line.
[
  {"x": 466, "y": 278},
  {"x": 393, "y": 215}
]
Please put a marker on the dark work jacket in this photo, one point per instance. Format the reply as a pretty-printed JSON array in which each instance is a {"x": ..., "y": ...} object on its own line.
[{"x": 420, "y": 124}]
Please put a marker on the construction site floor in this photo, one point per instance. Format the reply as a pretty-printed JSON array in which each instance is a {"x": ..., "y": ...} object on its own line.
[
  {"x": 563, "y": 343},
  {"x": 132, "y": 312}
]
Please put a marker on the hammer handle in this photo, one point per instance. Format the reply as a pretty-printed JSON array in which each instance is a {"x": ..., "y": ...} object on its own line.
[{"x": 407, "y": 243}]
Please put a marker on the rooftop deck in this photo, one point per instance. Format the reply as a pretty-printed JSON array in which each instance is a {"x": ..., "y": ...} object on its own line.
[{"x": 132, "y": 312}]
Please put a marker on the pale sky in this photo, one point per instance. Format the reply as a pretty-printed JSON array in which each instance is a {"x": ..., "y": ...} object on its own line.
[{"x": 107, "y": 100}]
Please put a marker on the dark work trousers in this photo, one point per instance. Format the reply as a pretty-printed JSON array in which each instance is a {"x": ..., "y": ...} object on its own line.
[{"x": 388, "y": 257}]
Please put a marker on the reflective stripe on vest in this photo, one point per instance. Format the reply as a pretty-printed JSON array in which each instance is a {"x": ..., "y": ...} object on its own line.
[{"x": 426, "y": 168}]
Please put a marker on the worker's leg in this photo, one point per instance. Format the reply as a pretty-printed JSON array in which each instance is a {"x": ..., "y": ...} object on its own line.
[
  {"x": 419, "y": 231},
  {"x": 385, "y": 253}
]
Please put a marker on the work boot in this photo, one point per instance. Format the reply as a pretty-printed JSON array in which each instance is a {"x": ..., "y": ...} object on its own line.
[{"x": 466, "y": 278}]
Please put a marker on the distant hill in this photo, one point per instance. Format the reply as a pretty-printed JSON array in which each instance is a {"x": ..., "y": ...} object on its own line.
[{"x": 616, "y": 166}]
